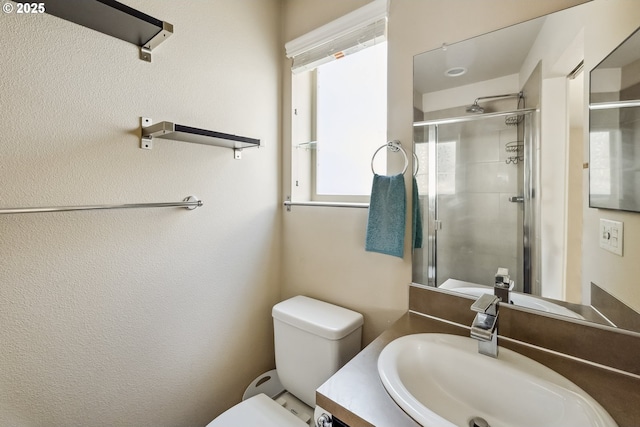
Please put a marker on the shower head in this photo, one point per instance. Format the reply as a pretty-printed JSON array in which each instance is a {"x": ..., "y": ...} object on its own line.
[{"x": 475, "y": 108}]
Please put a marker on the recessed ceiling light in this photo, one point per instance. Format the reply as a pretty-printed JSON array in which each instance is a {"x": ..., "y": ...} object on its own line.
[{"x": 455, "y": 71}]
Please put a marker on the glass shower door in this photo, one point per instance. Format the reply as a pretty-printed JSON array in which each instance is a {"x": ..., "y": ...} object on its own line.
[{"x": 476, "y": 200}]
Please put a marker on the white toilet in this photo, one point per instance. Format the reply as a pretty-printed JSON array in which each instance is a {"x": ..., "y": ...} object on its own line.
[{"x": 312, "y": 339}]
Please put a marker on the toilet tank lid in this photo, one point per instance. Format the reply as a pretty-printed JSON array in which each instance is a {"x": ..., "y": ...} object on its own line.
[{"x": 317, "y": 317}]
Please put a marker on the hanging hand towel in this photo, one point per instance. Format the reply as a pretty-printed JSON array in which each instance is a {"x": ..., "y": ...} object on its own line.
[
  {"x": 417, "y": 217},
  {"x": 387, "y": 212}
]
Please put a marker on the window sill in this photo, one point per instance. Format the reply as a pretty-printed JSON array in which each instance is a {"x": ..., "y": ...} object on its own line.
[{"x": 288, "y": 204}]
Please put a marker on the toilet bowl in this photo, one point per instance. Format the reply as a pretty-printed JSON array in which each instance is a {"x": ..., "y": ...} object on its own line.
[
  {"x": 312, "y": 340},
  {"x": 259, "y": 410}
]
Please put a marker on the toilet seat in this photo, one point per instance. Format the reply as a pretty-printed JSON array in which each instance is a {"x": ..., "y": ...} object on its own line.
[{"x": 260, "y": 410}]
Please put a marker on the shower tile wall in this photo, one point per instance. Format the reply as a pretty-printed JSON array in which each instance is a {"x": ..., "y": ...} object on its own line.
[{"x": 479, "y": 224}]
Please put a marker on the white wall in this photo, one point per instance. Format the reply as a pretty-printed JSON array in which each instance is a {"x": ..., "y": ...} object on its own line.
[
  {"x": 463, "y": 95},
  {"x": 559, "y": 48},
  {"x": 553, "y": 186},
  {"x": 137, "y": 317}
]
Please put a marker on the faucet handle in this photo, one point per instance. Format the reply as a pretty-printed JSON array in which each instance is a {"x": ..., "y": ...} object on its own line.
[
  {"x": 485, "y": 303},
  {"x": 502, "y": 278},
  {"x": 506, "y": 284},
  {"x": 502, "y": 271}
]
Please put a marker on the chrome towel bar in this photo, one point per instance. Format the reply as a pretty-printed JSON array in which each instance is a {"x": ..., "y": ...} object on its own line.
[{"x": 190, "y": 203}]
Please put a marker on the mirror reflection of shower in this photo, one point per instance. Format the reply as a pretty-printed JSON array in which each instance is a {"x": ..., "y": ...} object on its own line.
[{"x": 477, "y": 195}]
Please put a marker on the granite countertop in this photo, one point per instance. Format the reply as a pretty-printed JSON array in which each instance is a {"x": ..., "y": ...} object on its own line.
[{"x": 355, "y": 394}]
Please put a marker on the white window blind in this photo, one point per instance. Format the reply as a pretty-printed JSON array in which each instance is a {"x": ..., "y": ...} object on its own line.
[{"x": 350, "y": 33}]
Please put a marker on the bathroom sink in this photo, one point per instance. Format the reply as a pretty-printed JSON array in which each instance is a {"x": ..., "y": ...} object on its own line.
[
  {"x": 521, "y": 300},
  {"x": 441, "y": 380}
]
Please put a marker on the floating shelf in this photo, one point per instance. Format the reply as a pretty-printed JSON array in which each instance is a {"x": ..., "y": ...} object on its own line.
[
  {"x": 311, "y": 145},
  {"x": 115, "y": 19},
  {"x": 172, "y": 131}
]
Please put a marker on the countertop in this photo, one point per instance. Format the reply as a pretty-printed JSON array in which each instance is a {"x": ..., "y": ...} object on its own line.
[
  {"x": 356, "y": 396},
  {"x": 355, "y": 393}
]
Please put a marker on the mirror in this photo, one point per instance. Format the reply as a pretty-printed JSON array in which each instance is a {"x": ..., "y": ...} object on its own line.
[
  {"x": 614, "y": 133},
  {"x": 501, "y": 146}
]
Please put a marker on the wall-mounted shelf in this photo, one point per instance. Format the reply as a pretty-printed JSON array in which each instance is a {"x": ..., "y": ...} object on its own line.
[
  {"x": 311, "y": 145},
  {"x": 115, "y": 19},
  {"x": 172, "y": 131}
]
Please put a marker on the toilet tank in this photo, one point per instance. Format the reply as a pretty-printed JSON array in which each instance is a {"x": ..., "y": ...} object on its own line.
[{"x": 312, "y": 339}]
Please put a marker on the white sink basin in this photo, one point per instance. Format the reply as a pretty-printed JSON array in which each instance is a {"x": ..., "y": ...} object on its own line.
[
  {"x": 441, "y": 380},
  {"x": 522, "y": 300}
]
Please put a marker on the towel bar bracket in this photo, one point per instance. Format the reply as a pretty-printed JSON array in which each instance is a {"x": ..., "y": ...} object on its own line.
[{"x": 192, "y": 199}]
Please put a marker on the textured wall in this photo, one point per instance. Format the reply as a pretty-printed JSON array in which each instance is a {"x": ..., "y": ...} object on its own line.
[{"x": 137, "y": 317}]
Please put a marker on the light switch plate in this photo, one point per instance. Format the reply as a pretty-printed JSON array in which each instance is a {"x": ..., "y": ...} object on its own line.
[{"x": 611, "y": 236}]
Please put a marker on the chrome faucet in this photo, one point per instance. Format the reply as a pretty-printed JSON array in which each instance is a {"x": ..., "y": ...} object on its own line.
[
  {"x": 485, "y": 325},
  {"x": 502, "y": 285}
]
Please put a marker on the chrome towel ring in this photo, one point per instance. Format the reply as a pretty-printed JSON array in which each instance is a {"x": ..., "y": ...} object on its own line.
[{"x": 394, "y": 146}]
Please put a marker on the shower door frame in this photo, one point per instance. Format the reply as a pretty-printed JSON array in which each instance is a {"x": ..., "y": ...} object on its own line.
[{"x": 530, "y": 249}]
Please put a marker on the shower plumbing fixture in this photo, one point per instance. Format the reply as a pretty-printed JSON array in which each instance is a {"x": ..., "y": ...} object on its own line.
[{"x": 475, "y": 108}]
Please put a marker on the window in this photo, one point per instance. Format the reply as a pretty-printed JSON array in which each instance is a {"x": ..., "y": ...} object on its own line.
[
  {"x": 600, "y": 163},
  {"x": 339, "y": 107},
  {"x": 351, "y": 118},
  {"x": 446, "y": 169}
]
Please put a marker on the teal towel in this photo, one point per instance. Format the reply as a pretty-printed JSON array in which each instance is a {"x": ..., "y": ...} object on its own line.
[
  {"x": 417, "y": 217},
  {"x": 387, "y": 212}
]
